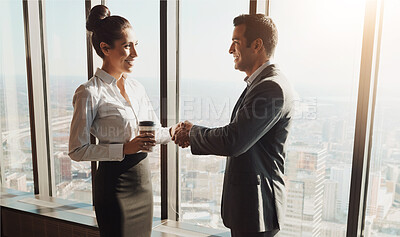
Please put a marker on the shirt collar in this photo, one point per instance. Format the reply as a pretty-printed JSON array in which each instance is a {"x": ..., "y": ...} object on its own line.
[
  {"x": 253, "y": 76},
  {"x": 104, "y": 76}
]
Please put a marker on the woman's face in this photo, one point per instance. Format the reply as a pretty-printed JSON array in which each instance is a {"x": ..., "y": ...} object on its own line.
[{"x": 123, "y": 54}]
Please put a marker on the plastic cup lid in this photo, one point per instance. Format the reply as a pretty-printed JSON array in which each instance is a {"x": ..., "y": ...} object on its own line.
[{"x": 146, "y": 123}]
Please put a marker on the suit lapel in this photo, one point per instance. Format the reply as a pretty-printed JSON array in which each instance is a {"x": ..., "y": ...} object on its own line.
[
  {"x": 267, "y": 72},
  {"x": 238, "y": 103}
]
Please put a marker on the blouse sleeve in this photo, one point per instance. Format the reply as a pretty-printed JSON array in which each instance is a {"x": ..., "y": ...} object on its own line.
[{"x": 80, "y": 149}]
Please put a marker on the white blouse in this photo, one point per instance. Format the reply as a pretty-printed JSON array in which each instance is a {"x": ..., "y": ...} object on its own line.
[{"x": 101, "y": 110}]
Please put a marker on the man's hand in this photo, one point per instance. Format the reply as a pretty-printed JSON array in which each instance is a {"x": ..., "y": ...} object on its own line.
[{"x": 181, "y": 134}]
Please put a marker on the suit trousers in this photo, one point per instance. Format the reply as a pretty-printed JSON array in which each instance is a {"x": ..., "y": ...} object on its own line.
[{"x": 271, "y": 233}]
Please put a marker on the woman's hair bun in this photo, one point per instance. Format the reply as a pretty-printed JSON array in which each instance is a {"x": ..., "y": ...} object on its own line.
[{"x": 96, "y": 15}]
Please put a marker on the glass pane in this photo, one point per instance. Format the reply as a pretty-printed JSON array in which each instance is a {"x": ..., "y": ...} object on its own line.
[
  {"x": 383, "y": 201},
  {"x": 145, "y": 19},
  {"x": 15, "y": 133},
  {"x": 320, "y": 52},
  {"x": 66, "y": 42},
  {"x": 209, "y": 88}
]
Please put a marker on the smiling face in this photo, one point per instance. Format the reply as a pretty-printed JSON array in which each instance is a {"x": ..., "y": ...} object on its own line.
[
  {"x": 244, "y": 57},
  {"x": 121, "y": 56}
]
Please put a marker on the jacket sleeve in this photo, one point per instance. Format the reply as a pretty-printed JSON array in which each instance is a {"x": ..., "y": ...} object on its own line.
[
  {"x": 80, "y": 149},
  {"x": 261, "y": 110}
]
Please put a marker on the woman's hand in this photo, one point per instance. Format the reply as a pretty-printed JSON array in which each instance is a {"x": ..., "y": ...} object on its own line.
[
  {"x": 141, "y": 142},
  {"x": 173, "y": 128}
]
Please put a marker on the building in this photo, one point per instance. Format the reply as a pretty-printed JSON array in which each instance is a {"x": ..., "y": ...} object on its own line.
[
  {"x": 305, "y": 191},
  {"x": 330, "y": 192},
  {"x": 185, "y": 67},
  {"x": 16, "y": 181},
  {"x": 62, "y": 167},
  {"x": 342, "y": 176}
]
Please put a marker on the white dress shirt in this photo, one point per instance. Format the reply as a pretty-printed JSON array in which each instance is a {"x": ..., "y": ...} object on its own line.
[
  {"x": 101, "y": 110},
  {"x": 255, "y": 74}
]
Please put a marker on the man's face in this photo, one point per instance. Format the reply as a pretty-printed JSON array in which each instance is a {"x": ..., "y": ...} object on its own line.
[{"x": 244, "y": 57}]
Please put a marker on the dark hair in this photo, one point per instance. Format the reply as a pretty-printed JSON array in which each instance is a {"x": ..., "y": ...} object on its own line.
[
  {"x": 104, "y": 27},
  {"x": 259, "y": 26}
]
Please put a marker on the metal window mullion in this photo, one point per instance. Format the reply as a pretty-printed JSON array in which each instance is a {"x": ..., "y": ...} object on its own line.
[
  {"x": 37, "y": 96},
  {"x": 97, "y": 62},
  {"x": 91, "y": 65},
  {"x": 43, "y": 41},
  {"x": 163, "y": 107},
  {"x": 169, "y": 104},
  {"x": 30, "y": 97},
  {"x": 263, "y": 7},
  {"x": 93, "y": 60},
  {"x": 253, "y": 7},
  {"x": 89, "y": 49},
  {"x": 173, "y": 107},
  {"x": 364, "y": 119},
  {"x": 89, "y": 55},
  {"x": 374, "y": 92}
]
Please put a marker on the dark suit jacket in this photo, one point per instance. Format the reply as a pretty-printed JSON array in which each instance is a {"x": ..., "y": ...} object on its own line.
[{"x": 254, "y": 195}]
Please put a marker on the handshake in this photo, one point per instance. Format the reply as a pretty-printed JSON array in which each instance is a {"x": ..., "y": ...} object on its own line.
[{"x": 180, "y": 133}]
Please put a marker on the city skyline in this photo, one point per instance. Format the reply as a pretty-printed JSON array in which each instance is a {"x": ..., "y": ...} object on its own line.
[
  {"x": 324, "y": 130},
  {"x": 321, "y": 59}
]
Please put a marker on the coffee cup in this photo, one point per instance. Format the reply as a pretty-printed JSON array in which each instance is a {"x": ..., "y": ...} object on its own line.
[{"x": 147, "y": 127}]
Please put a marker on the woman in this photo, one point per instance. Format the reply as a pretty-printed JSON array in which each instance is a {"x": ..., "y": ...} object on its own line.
[{"x": 109, "y": 106}]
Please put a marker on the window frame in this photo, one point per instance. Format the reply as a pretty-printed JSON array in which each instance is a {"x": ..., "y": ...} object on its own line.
[{"x": 36, "y": 56}]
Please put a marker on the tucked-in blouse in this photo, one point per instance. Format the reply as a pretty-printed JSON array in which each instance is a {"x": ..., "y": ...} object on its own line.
[{"x": 101, "y": 110}]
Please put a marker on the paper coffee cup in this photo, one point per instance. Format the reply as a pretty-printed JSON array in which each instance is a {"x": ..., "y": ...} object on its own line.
[{"x": 147, "y": 127}]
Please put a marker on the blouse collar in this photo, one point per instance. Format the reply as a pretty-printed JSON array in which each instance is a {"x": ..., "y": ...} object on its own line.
[{"x": 104, "y": 76}]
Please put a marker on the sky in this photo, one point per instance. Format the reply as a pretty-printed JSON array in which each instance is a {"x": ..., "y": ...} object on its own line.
[
  {"x": 319, "y": 45},
  {"x": 12, "y": 43}
]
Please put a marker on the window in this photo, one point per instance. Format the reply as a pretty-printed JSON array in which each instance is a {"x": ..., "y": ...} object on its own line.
[
  {"x": 206, "y": 68},
  {"x": 383, "y": 200},
  {"x": 144, "y": 17},
  {"x": 320, "y": 52},
  {"x": 67, "y": 69},
  {"x": 15, "y": 132}
]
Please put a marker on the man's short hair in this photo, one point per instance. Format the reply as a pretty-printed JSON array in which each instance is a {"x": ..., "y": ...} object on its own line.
[{"x": 259, "y": 26}]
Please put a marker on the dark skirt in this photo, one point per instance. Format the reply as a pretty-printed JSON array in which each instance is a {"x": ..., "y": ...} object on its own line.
[{"x": 123, "y": 197}]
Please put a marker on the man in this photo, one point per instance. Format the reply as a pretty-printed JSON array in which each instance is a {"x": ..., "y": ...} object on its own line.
[{"x": 254, "y": 195}]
